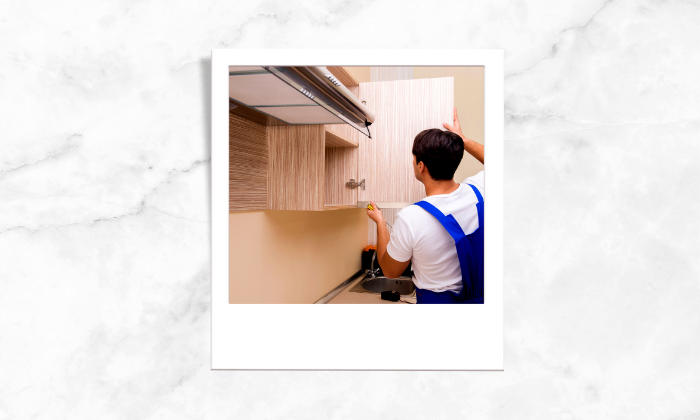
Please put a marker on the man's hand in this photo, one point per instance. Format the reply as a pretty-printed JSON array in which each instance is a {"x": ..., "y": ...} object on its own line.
[
  {"x": 457, "y": 128},
  {"x": 375, "y": 214},
  {"x": 470, "y": 146}
]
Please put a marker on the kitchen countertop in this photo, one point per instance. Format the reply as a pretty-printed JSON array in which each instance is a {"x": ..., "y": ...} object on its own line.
[{"x": 346, "y": 296}]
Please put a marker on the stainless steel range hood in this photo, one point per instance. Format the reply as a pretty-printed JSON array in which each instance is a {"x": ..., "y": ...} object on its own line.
[{"x": 298, "y": 95}]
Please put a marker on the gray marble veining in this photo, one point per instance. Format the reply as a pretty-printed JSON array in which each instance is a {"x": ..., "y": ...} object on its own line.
[{"x": 105, "y": 210}]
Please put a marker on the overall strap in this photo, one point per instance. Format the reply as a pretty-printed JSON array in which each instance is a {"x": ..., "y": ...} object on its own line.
[
  {"x": 448, "y": 222},
  {"x": 479, "y": 205}
]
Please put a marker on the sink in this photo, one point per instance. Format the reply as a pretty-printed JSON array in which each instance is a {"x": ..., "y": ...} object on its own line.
[{"x": 403, "y": 285}]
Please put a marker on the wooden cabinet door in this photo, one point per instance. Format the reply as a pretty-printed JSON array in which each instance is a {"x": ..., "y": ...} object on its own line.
[
  {"x": 403, "y": 108},
  {"x": 340, "y": 166}
]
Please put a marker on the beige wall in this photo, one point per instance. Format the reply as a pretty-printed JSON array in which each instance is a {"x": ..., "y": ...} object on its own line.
[{"x": 293, "y": 256}]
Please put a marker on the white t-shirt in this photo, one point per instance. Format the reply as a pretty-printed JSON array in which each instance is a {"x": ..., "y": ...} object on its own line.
[{"x": 418, "y": 234}]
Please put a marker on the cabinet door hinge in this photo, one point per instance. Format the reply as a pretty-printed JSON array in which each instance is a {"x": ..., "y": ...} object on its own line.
[{"x": 353, "y": 184}]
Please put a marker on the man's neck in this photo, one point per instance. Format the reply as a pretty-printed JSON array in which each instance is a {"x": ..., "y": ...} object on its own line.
[{"x": 433, "y": 187}]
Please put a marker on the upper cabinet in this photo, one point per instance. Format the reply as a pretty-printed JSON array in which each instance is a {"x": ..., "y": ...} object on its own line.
[
  {"x": 402, "y": 108},
  {"x": 296, "y": 167},
  {"x": 307, "y": 167}
]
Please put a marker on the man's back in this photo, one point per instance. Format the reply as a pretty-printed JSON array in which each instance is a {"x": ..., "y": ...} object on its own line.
[{"x": 417, "y": 234}]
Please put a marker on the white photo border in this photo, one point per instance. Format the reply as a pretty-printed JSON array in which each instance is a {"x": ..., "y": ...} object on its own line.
[{"x": 358, "y": 337}]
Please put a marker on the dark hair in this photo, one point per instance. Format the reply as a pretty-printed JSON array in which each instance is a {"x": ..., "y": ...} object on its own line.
[{"x": 440, "y": 151}]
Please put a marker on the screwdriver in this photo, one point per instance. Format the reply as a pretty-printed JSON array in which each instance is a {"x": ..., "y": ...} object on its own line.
[{"x": 370, "y": 207}]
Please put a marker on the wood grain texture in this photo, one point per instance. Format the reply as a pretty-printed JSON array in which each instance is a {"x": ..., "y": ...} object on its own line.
[
  {"x": 340, "y": 167},
  {"x": 343, "y": 75},
  {"x": 341, "y": 207},
  {"x": 335, "y": 140},
  {"x": 403, "y": 108},
  {"x": 296, "y": 171},
  {"x": 248, "y": 165}
]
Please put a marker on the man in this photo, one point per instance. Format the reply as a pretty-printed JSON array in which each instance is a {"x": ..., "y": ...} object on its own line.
[{"x": 443, "y": 233}]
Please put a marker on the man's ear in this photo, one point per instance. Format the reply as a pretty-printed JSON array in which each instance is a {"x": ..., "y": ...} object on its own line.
[{"x": 424, "y": 171}]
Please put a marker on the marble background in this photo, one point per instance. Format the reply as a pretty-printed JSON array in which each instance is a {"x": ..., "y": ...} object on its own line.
[{"x": 105, "y": 214}]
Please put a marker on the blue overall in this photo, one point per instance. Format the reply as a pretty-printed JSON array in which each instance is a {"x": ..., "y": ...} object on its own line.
[{"x": 470, "y": 251}]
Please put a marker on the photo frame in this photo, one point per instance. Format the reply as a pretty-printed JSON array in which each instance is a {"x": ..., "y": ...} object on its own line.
[{"x": 341, "y": 337}]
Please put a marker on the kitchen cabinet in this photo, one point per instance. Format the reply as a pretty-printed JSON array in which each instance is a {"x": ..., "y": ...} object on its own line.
[
  {"x": 306, "y": 167},
  {"x": 297, "y": 167}
]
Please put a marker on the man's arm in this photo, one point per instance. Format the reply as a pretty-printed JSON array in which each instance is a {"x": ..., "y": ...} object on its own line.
[
  {"x": 475, "y": 149},
  {"x": 390, "y": 267},
  {"x": 470, "y": 146}
]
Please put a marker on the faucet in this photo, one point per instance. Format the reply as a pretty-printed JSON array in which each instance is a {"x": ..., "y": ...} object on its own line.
[{"x": 372, "y": 272}]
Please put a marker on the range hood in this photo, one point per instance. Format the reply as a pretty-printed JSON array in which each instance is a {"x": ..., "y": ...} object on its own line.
[{"x": 297, "y": 95}]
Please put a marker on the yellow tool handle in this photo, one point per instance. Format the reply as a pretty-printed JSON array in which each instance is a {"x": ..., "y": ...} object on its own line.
[{"x": 369, "y": 206}]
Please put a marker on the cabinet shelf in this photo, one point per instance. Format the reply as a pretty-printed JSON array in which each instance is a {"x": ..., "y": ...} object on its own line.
[{"x": 338, "y": 135}]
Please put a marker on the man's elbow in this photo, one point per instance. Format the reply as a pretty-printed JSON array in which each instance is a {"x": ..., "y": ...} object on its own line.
[
  {"x": 392, "y": 270},
  {"x": 392, "y": 273}
]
